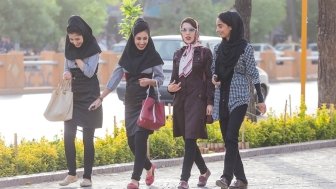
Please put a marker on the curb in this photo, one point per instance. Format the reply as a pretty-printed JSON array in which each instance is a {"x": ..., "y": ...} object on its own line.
[{"x": 116, "y": 168}]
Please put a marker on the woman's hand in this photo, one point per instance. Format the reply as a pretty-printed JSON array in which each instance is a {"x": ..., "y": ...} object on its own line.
[
  {"x": 144, "y": 82},
  {"x": 95, "y": 104},
  {"x": 173, "y": 87},
  {"x": 215, "y": 81},
  {"x": 209, "y": 109},
  {"x": 67, "y": 75},
  {"x": 261, "y": 107}
]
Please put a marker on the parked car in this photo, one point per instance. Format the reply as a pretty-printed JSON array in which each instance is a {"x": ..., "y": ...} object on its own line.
[
  {"x": 314, "y": 56},
  {"x": 287, "y": 46},
  {"x": 118, "y": 47},
  {"x": 313, "y": 48},
  {"x": 263, "y": 47},
  {"x": 166, "y": 46}
]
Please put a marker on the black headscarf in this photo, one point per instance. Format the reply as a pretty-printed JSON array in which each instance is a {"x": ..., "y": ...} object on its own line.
[
  {"x": 135, "y": 60},
  {"x": 89, "y": 46},
  {"x": 230, "y": 50}
]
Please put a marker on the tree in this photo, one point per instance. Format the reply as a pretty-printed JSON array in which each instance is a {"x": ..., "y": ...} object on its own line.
[
  {"x": 172, "y": 14},
  {"x": 39, "y": 25},
  {"x": 93, "y": 12},
  {"x": 131, "y": 11},
  {"x": 266, "y": 16},
  {"x": 296, "y": 20},
  {"x": 327, "y": 49},
  {"x": 244, "y": 7},
  {"x": 29, "y": 23}
]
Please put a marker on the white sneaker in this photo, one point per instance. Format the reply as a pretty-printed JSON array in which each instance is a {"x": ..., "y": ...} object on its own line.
[
  {"x": 85, "y": 183},
  {"x": 68, "y": 180}
]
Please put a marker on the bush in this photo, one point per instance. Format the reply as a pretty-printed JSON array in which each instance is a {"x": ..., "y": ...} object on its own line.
[
  {"x": 43, "y": 155},
  {"x": 7, "y": 165},
  {"x": 325, "y": 123},
  {"x": 36, "y": 156},
  {"x": 214, "y": 133},
  {"x": 163, "y": 145}
]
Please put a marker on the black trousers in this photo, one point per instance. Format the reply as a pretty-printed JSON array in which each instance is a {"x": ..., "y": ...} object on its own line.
[
  {"x": 230, "y": 125},
  {"x": 70, "y": 149},
  {"x": 138, "y": 146},
  {"x": 192, "y": 154}
]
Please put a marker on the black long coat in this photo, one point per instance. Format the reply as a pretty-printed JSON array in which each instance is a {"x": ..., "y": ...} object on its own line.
[{"x": 197, "y": 91}]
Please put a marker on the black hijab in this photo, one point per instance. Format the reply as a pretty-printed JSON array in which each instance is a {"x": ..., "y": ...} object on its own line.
[
  {"x": 230, "y": 50},
  {"x": 89, "y": 46},
  {"x": 134, "y": 60}
]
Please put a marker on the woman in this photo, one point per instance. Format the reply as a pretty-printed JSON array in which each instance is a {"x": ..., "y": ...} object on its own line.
[
  {"x": 81, "y": 65},
  {"x": 191, "y": 84},
  {"x": 234, "y": 67},
  {"x": 142, "y": 66}
]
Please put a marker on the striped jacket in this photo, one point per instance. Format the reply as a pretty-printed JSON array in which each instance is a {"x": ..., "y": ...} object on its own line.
[{"x": 245, "y": 72}]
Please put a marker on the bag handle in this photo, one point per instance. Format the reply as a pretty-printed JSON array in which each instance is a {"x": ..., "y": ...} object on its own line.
[
  {"x": 157, "y": 90},
  {"x": 65, "y": 85}
]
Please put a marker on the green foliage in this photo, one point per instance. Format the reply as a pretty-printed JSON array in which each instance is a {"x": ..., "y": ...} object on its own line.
[
  {"x": 130, "y": 11},
  {"x": 163, "y": 145},
  {"x": 121, "y": 152},
  {"x": 173, "y": 13},
  {"x": 103, "y": 149},
  {"x": 42, "y": 156},
  {"x": 266, "y": 15},
  {"x": 39, "y": 24},
  {"x": 29, "y": 22},
  {"x": 36, "y": 156},
  {"x": 214, "y": 134},
  {"x": 61, "y": 161},
  {"x": 312, "y": 25},
  {"x": 325, "y": 122},
  {"x": 7, "y": 165}
]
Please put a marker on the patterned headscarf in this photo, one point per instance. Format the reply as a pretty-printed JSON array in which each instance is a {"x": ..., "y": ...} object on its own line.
[{"x": 185, "y": 66}]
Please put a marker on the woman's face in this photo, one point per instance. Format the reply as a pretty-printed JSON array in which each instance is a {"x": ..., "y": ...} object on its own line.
[
  {"x": 76, "y": 39},
  {"x": 188, "y": 33},
  {"x": 141, "y": 40},
  {"x": 222, "y": 29}
]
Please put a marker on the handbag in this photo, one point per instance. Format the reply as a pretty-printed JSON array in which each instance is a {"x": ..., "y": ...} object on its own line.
[
  {"x": 152, "y": 114},
  {"x": 61, "y": 103}
]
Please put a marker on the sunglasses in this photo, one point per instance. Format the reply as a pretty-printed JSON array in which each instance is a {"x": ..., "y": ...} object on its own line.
[{"x": 185, "y": 30}]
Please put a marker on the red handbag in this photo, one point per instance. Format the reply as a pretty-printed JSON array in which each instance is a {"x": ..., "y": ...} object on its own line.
[{"x": 152, "y": 115}]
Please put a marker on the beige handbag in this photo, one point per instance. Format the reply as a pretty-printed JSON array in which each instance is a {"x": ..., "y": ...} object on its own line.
[{"x": 61, "y": 103}]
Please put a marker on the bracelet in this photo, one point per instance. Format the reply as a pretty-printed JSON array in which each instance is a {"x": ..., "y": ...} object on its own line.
[{"x": 101, "y": 99}]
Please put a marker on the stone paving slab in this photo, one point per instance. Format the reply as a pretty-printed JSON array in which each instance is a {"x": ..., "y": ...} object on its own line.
[{"x": 313, "y": 166}]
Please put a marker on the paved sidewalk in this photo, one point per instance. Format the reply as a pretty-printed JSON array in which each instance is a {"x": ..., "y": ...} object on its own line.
[{"x": 297, "y": 166}]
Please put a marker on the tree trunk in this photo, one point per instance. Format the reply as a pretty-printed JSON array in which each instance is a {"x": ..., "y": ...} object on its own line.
[
  {"x": 327, "y": 55},
  {"x": 244, "y": 8},
  {"x": 291, "y": 8}
]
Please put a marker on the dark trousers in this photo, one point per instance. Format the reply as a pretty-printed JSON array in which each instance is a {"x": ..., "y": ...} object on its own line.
[
  {"x": 230, "y": 125},
  {"x": 70, "y": 149},
  {"x": 138, "y": 146},
  {"x": 192, "y": 154}
]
